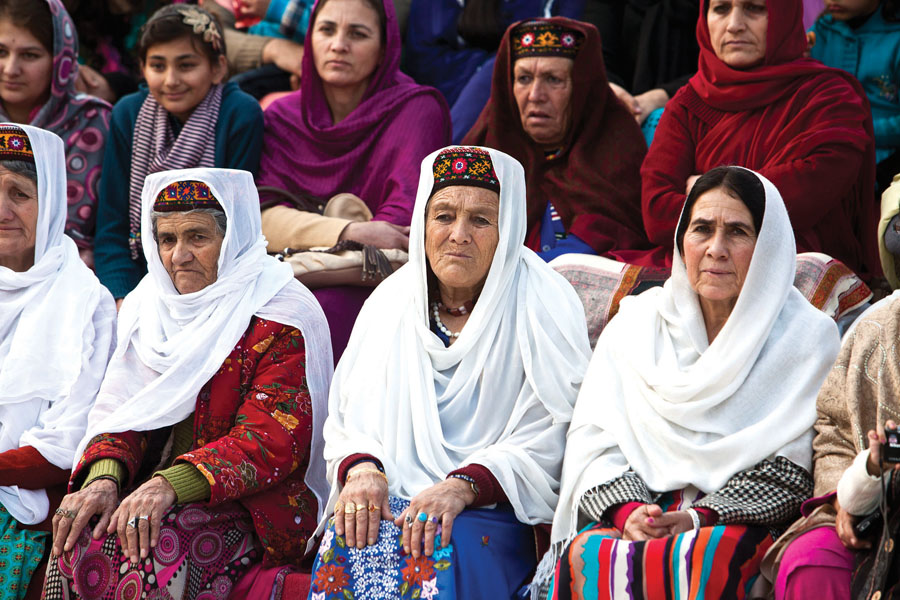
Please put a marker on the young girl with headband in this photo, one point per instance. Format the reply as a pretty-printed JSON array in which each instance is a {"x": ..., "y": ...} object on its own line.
[{"x": 184, "y": 116}]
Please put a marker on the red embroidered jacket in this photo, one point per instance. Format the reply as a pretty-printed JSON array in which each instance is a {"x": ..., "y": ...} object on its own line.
[{"x": 252, "y": 435}]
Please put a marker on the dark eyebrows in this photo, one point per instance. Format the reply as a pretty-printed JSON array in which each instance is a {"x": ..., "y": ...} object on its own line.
[
  {"x": 177, "y": 58},
  {"x": 352, "y": 25},
  {"x": 710, "y": 222}
]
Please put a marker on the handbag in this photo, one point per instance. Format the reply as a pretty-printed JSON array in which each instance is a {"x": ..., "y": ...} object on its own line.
[
  {"x": 346, "y": 263},
  {"x": 876, "y": 573}
]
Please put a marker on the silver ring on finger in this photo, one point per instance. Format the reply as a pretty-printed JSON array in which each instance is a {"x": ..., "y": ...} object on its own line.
[
  {"x": 144, "y": 518},
  {"x": 133, "y": 522},
  {"x": 434, "y": 520},
  {"x": 408, "y": 519}
]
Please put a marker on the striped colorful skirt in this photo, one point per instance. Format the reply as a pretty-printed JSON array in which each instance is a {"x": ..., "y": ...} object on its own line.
[
  {"x": 21, "y": 551},
  {"x": 491, "y": 556},
  {"x": 200, "y": 554}
]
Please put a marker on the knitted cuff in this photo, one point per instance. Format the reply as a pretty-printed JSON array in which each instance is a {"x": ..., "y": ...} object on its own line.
[
  {"x": 619, "y": 513},
  {"x": 188, "y": 482},
  {"x": 349, "y": 462},
  {"x": 489, "y": 489},
  {"x": 106, "y": 468}
]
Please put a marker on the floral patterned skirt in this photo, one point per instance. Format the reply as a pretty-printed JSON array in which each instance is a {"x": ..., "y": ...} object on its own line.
[
  {"x": 491, "y": 556},
  {"x": 200, "y": 555},
  {"x": 21, "y": 552}
]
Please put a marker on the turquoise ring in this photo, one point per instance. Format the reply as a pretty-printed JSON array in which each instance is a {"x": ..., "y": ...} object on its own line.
[{"x": 422, "y": 517}]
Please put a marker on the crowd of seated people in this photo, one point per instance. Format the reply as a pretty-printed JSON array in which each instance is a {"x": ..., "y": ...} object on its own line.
[{"x": 184, "y": 414}]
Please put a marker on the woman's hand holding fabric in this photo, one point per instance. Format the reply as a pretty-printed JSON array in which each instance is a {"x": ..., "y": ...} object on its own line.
[
  {"x": 441, "y": 503},
  {"x": 845, "y": 525},
  {"x": 366, "y": 491},
  {"x": 76, "y": 509},
  {"x": 380, "y": 234},
  {"x": 147, "y": 505},
  {"x": 644, "y": 524}
]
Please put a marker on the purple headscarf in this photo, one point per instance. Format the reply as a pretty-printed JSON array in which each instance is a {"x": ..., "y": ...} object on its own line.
[
  {"x": 374, "y": 152},
  {"x": 81, "y": 121}
]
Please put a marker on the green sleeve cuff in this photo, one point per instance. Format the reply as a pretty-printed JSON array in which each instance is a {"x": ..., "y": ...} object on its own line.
[
  {"x": 188, "y": 482},
  {"x": 106, "y": 467}
]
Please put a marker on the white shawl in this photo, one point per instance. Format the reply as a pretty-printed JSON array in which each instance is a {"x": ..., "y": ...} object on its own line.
[
  {"x": 170, "y": 344},
  {"x": 501, "y": 396},
  {"x": 56, "y": 336},
  {"x": 660, "y": 399}
]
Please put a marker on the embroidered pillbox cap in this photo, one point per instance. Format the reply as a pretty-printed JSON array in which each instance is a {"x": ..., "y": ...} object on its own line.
[
  {"x": 462, "y": 165},
  {"x": 15, "y": 145},
  {"x": 185, "y": 195},
  {"x": 541, "y": 38}
]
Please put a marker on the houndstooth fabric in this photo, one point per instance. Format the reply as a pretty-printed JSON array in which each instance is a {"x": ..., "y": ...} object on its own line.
[
  {"x": 628, "y": 487},
  {"x": 768, "y": 494}
]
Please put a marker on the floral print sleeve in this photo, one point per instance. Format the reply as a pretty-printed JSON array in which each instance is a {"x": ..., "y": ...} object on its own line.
[
  {"x": 128, "y": 448},
  {"x": 271, "y": 432}
]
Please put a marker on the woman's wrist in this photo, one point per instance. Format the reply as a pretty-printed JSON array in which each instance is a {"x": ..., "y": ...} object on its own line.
[{"x": 463, "y": 488}]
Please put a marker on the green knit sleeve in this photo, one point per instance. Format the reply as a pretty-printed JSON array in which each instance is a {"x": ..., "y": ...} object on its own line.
[
  {"x": 106, "y": 467},
  {"x": 188, "y": 482}
]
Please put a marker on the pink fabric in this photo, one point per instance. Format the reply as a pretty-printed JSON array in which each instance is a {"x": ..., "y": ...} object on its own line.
[
  {"x": 374, "y": 152},
  {"x": 619, "y": 514},
  {"x": 815, "y": 565}
]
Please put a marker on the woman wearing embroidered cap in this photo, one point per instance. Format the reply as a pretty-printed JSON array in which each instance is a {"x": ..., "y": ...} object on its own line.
[
  {"x": 56, "y": 336},
  {"x": 552, "y": 109},
  {"x": 454, "y": 394},
  {"x": 683, "y": 454},
  {"x": 207, "y": 420}
]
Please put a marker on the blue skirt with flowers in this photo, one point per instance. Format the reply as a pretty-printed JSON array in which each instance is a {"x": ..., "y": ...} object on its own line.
[{"x": 491, "y": 555}]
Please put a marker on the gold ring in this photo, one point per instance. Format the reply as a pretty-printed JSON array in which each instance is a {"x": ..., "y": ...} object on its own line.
[
  {"x": 339, "y": 506},
  {"x": 373, "y": 507},
  {"x": 349, "y": 508}
]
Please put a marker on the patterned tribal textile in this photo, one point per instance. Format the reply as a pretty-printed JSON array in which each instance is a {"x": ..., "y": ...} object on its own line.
[
  {"x": 21, "y": 551},
  {"x": 82, "y": 121},
  {"x": 15, "y": 145},
  {"x": 184, "y": 196},
  {"x": 543, "y": 38},
  {"x": 158, "y": 148},
  {"x": 491, "y": 556},
  {"x": 201, "y": 553},
  {"x": 711, "y": 562},
  {"x": 460, "y": 165}
]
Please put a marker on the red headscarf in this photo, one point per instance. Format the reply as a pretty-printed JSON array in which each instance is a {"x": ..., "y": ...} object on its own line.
[
  {"x": 806, "y": 127},
  {"x": 594, "y": 184}
]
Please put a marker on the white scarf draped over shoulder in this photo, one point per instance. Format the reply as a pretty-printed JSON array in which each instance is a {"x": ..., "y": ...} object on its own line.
[
  {"x": 501, "y": 396},
  {"x": 57, "y": 326},
  {"x": 170, "y": 345},
  {"x": 660, "y": 399}
]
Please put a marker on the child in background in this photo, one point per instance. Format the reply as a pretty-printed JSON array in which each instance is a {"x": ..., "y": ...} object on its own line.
[
  {"x": 862, "y": 37},
  {"x": 183, "y": 117}
]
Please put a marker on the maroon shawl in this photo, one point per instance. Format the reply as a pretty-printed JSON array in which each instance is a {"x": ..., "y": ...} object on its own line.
[
  {"x": 806, "y": 127},
  {"x": 595, "y": 183},
  {"x": 374, "y": 152}
]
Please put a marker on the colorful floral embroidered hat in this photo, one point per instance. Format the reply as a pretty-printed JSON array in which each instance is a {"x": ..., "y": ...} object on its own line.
[
  {"x": 541, "y": 38},
  {"x": 14, "y": 144},
  {"x": 184, "y": 196},
  {"x": 462, "y": 165}
]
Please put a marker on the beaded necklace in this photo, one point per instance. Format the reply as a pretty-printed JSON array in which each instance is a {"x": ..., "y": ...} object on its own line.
[
  {"x": 465, "y": 309},
  {"x": 435, "y": 310}
]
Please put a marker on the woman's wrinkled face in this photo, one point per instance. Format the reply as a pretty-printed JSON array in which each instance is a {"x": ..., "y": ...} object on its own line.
[
  {"x": 718, "y": 246},
  {"x": 461, "y": 234},
  {"x": 179, "y": 75},
  {"x": 737, "y": 31},
  {"x": 18, "y": 220},
  {"x": 542, "y": 86},
  {"x": 189, "y": 245},
  {"x": 26, "y": 68},
  {"x": 346, "y": 43}
]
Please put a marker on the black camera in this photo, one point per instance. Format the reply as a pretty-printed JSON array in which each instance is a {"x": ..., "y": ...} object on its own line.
[{"x": 890, "y": 452}]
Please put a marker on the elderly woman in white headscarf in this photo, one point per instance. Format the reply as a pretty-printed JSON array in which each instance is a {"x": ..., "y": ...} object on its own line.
[
  {"x": 691, "y": 438},
  {"x": 57, "y": 326},
  {"x": 448, "y": 411},
  {"x": 203, "y": 454}
]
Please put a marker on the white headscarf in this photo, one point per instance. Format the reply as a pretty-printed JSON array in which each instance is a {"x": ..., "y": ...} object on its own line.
[
  {"x": 56, "y": 336},
  {"x": 660, "y": 399},
  {"x": 170, "y": 345},
  {"x": 501, "y": 396}
]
